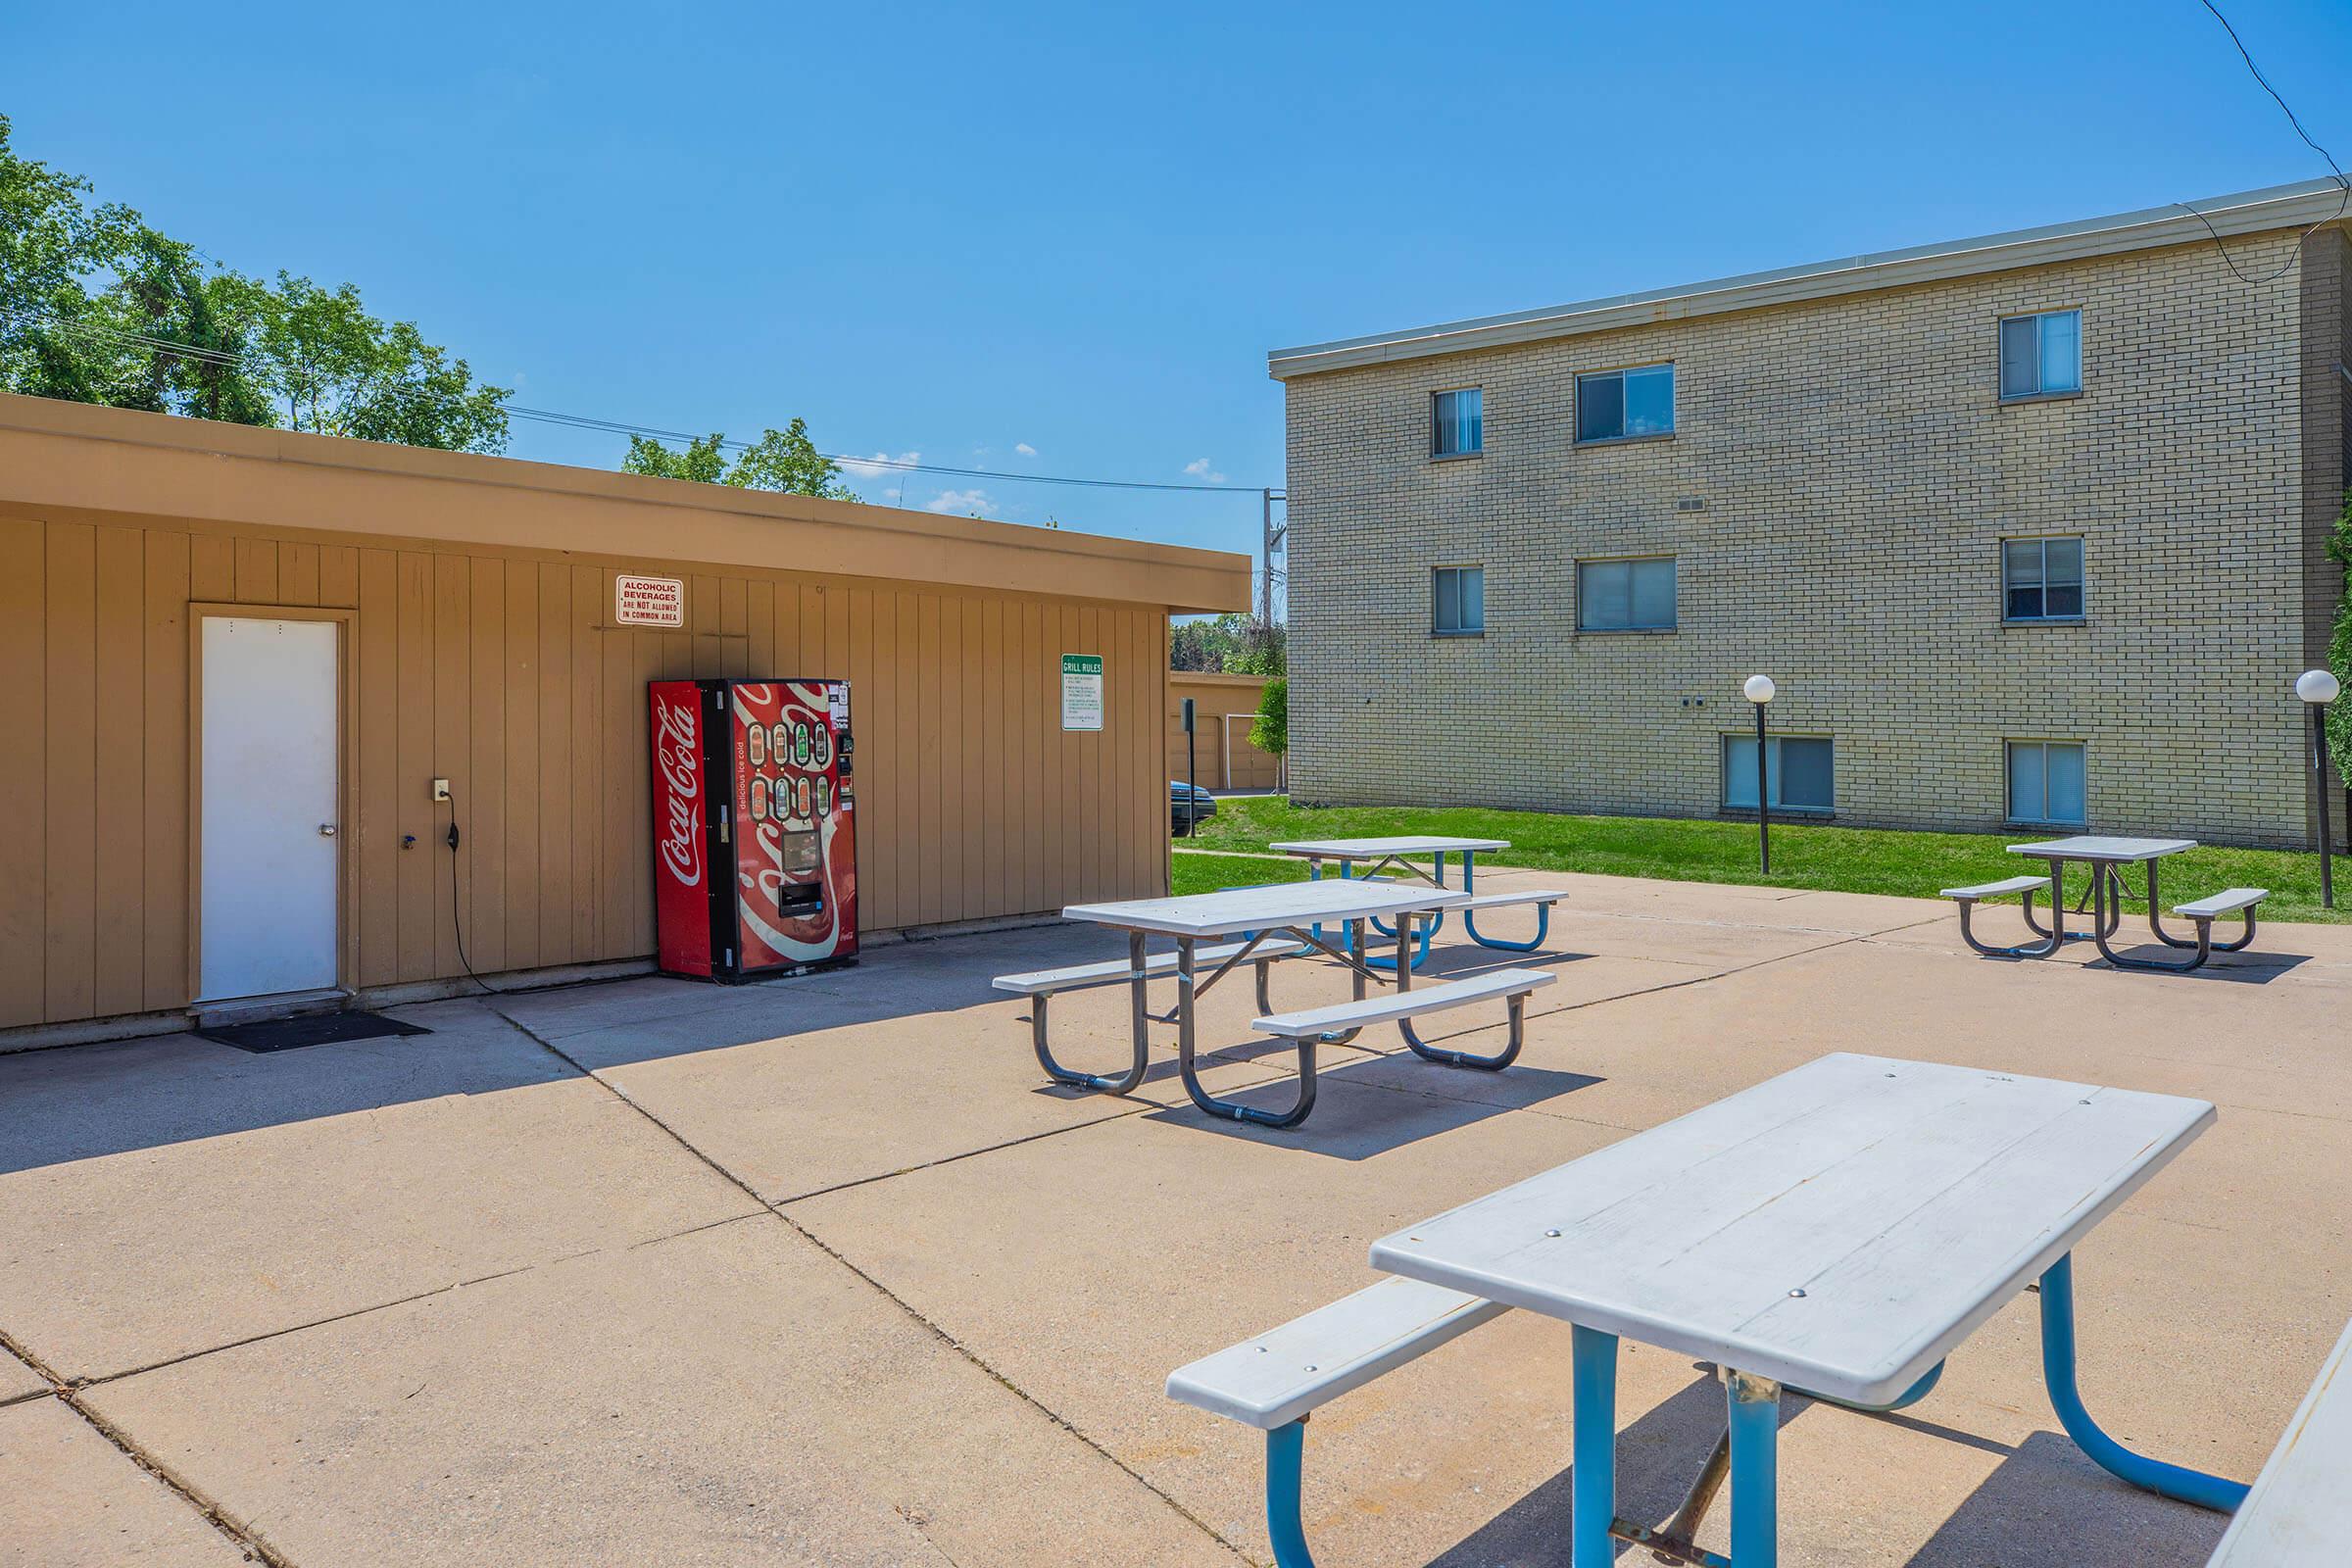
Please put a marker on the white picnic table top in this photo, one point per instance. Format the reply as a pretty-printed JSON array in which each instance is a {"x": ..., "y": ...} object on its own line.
[
  {"x": 1377, "y": 849},
  {"x": 2100, "y": 846},
  {"x": 1273, "y": 905},
  {"x": 2299, "y": 1513},
  {"x": 1839, "y": 1228}
]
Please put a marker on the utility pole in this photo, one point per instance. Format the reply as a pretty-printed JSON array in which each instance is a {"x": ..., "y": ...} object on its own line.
[{"x": 1273, "y": 541}]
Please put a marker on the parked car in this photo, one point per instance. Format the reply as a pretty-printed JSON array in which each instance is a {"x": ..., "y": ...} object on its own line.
[{"x": 1188, "y": 803}]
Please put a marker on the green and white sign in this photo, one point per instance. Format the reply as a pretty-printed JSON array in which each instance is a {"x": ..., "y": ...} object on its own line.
[{"x": 1082, "y": 691}]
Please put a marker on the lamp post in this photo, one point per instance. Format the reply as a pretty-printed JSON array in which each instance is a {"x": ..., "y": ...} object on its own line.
[
  {"x": 2319, "y": 688},
  {"x": 1759, "y": 690}
]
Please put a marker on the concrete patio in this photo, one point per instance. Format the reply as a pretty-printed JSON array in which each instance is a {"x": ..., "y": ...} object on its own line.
[{"x": 820, "y": 1272}]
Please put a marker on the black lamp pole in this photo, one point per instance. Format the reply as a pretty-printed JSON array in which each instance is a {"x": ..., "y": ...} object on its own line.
[
  {"x": 2319, "y": 786},
  {"x": 1759, "y": 690}
]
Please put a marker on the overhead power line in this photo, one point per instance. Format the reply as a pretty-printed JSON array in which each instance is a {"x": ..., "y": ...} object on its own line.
[
  {"x": 585, "y": 421},
  {"x": 2344, "y": 185}
]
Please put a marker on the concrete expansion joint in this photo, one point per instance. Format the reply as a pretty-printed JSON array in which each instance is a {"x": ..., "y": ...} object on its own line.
[
  {"x": 877, "y": 1286},
  {"x": 255, "y": 1548}
]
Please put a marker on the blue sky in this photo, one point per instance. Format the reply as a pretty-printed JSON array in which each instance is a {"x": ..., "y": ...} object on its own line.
[{"x": 1060, "y": 239}]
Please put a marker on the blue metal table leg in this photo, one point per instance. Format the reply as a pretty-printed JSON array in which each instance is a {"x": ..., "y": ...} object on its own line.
[
  {"x": 1285, "y": 1458},
  {"x": 1754, "y": 1409},
  {"x": 2058, "y": 1371},
  {"x": 1470, "y": 920},
  {"x": 1594, "y": 1360},
  {"x": 1429, "y": 928}
]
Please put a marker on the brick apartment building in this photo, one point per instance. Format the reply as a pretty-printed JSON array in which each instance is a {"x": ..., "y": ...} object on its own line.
[{"x": 2030, "y": 530}]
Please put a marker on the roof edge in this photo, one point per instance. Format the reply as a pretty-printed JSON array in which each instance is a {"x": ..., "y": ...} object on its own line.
[
  {"x": 74, "y": 456},
  {"x": 2277, "y": 206}
]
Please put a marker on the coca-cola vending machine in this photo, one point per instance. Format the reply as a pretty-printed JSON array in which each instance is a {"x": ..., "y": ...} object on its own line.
[{"x": 755, "y": 827}]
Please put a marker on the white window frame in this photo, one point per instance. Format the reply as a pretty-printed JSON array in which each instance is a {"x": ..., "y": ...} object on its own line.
[
  {"x": 1437, "y": 451},
  {"x": 1674, "y": 405},
  {"x": 1438, "y": 630},
  {"x": 2041, "y": 388},
  {"x": 2009, "y": 744},
  {"x": 1723, "y": 763},
  {"x": 1674, "y": 611},
  {"x": 2046, "y": 618}
]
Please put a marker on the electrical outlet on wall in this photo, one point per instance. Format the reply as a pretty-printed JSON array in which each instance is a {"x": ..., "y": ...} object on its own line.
[{"x": 440, "y": 789}]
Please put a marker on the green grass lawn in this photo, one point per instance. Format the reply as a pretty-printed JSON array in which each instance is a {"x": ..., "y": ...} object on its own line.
[{"x": 1843, "y": 860}]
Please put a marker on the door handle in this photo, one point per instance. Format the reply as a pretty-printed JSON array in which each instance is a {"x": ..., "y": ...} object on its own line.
[{"x": 326, "y": 831}]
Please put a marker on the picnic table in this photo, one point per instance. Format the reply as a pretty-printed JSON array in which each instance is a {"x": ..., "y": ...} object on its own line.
[
  {"x": 1293, "y": 910},
  {"x": 2107, "y": 855},
  {"x": 1396, "y": 851},
  {"x": 1837, "y": 1231}
]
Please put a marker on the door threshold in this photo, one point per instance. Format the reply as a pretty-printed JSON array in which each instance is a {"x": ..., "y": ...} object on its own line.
[{"x": 229, "y": 1010}]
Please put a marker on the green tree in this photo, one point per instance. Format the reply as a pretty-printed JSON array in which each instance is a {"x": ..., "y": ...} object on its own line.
[
  {"x": 96, "y": 306},
  {"x": 1271, "y": 730},
  {"x": 784, "y": 460},
  {"x": 1233, "y": 643}
]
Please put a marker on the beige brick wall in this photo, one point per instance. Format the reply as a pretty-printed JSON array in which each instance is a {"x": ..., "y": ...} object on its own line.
[{"x": 1858, "y": 475}]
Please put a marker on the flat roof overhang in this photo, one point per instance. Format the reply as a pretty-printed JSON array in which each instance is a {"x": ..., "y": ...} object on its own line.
[
  {"x": 2278, "y": 206},
  {"x": 73, "y": 458}
]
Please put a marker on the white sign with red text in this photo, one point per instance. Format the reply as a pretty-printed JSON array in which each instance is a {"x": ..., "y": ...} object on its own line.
[{"x": 649, "y": 601}]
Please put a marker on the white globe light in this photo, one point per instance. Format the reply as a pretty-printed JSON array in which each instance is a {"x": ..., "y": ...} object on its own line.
[
  {"x": 1759, "y": 688},
  {"x": 2317, "y": 686}
]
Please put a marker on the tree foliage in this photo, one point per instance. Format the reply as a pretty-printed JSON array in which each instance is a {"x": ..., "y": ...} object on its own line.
[
  {"x": 1233, "y": 643},
  {"x": 1271, "y": 730},
  {"x": 784, "y": 460},
  {"x": 97, "y": 306}
]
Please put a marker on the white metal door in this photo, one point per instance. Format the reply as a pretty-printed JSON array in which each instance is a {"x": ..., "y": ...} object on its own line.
[{"x": 269, "y": 803}]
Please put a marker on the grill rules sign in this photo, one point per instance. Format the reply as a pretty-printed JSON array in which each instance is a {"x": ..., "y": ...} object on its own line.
[
  {"x": 649, "y": 601},
  {"x": 1082, "y": 691}
]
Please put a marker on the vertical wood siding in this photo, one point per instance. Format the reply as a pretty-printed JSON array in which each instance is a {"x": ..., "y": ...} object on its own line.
[{"x": 502, "y": 673}]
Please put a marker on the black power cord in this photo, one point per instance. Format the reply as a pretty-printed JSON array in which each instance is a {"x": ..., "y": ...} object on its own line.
[{"x": 457, "y": 919}]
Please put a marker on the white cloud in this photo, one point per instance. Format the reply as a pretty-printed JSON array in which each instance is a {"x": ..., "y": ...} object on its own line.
[
  {"x": 1024, "y": 448},
  {"x": 1199, "y": 469},
  {"x": 961, "y": 502},
  {"x": 878, "y": 464}
]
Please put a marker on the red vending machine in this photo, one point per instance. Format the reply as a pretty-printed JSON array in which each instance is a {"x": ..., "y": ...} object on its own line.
[{"x": 755, "y": 827}]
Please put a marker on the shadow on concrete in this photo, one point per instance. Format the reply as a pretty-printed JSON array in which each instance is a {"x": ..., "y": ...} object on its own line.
[
  {"x": 1365, "y": 1107},
  {"x": 2048, "y": 1502},
  {"x": 2045, "y": 1502},
  {"x": 1657, "y": 1458},
  {"x": 2250, "y": 968},
  {"x": 86, "y": 1102}
]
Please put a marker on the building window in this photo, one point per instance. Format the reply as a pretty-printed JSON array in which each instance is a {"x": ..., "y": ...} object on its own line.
[
  {"x": 2047, "y": 783},
  {"x": 1625, "y": 404},
  {"x": 2041, "y": 579},
  {"x": 1798, "y": 772},
  {"x": 2042, "y": 356},
  {"x": 1459, "y": 600},
  {"x": 1461, "y": 423},
  {"x": 1625, "y": 595}
]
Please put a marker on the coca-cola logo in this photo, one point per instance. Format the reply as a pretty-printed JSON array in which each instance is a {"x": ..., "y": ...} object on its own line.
[{"x": 676, "y": 751}]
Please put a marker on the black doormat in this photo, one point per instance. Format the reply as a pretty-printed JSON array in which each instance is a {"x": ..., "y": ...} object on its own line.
[{"x": 311, "y": 1029}]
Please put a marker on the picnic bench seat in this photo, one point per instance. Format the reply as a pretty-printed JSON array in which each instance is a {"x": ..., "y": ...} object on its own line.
[
  {"x": 1339, "y": 1021},
  {"x": 1967, "y": 898},
  {"x": 2229, "y": 900},
  {"x": 1040, "y": 986},
  {"x": 2299, "y": 1514},
  {"x": 1543, "y": 898},
  {"x": 1275, "y": 1381}
]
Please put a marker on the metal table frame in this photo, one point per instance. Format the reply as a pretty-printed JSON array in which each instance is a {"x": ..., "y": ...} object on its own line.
[
  {"x": 2107, "y": 897},
  {"x": 1434, "y": 877},
  {"x": 1190, "y": 987}
]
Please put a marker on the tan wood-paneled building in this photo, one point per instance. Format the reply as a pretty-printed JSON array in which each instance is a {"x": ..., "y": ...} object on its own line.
[
  {"x": 472, "y": 602},
  {"x": 1224, "y": 706}
]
